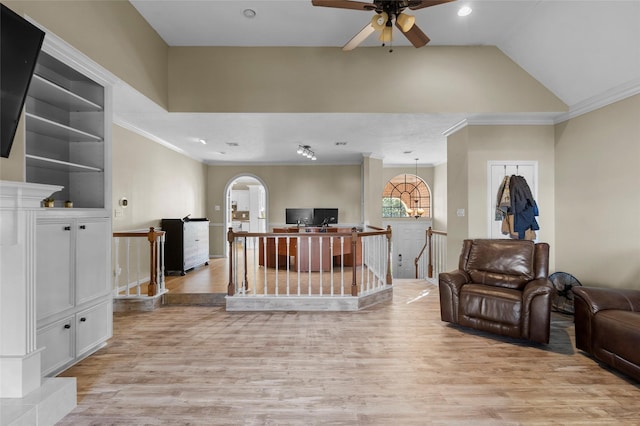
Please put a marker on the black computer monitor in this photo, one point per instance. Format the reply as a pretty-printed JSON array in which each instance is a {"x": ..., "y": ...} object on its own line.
[
  {"x": 325, "y": 216},
  {"x": 297, "y": 216}
]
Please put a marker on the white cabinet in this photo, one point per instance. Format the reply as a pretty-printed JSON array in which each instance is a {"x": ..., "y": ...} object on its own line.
[
  {"x": 67, "y": 143},
  {"x": 94, "y": 326},
  {"x": 73, "y": 337},
  {"x": 73, "y": 296},
  {"x": 58, "y": 340},
  {"x": 241, "y": 199},
  {"x": 54, "y": 268},
  {"x": 92, "y": 239}
]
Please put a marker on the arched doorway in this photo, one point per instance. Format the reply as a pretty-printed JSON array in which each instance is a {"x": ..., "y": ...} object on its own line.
[{"x": 246, "y": 204}]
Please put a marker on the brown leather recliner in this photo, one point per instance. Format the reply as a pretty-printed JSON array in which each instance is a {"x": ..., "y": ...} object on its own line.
[
  {"x": 608, "y": 326},
  {"x": 500, "y": 286}
]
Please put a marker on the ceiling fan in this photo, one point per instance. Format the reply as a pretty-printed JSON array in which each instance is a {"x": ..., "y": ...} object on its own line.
[{"x": 388, "y": 12}]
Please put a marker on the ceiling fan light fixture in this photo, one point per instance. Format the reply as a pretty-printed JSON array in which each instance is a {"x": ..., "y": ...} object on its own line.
[
  {"x": 405, "y": 22},
  {"x": 379, "y": 21},
  {"x": 386, "y": 36}
]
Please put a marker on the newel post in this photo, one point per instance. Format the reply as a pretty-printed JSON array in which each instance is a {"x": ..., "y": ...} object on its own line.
[
  {"x": 230, "y": 238},
  {"x": 430, "y": 262},
  {"x": 389, "y": 276},
  {"x": 354, "y": 255},
  {"x": 152, "y": 290}
]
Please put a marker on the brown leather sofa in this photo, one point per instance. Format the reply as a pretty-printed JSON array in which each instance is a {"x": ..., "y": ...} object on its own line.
[
  {"x": 500, "y": 286},
  {"x": 607, "y": 323}
]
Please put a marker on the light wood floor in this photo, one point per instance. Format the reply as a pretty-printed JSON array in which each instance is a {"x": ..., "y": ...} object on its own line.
[
  {"x": 213, "y": 278},
  {"x": 393, "y": 364}
]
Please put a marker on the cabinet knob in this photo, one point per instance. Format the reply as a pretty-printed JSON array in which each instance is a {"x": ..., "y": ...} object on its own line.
[
  {"x": 83, "y": 319},
  {"x": 67, "y": 326},
  {"x": 67, "y": 228},
  {"x": 83, "y": 226}
]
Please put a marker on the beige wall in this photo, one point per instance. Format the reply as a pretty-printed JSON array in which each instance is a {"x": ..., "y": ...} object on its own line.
[
  {"x": 436, "y": 79},
  {"x": 597, "y": 196},
  {"x": 158, "y": 182},
  {"x": 13, "y": 168},
  {"x": 468, "y": 190},
  {"x": 287, "y": 186},
  {"x": 457, "y": 194},
  {"x": 113, "y": 34},
  {"x": 439, "y": 191}
]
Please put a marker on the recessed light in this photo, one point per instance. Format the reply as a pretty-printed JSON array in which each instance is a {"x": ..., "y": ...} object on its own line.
[
  {"x": 202, "y": 141},
  {"x": 464, "y": 11},
  {"x": 249, "y": 13}
]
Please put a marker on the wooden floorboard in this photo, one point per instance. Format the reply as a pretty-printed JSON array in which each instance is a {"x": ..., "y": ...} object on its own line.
[{"x": 392, "y": 364}]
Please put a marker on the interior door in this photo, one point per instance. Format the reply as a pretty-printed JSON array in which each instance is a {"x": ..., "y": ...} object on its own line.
[
  {"x": 407, "y": 239},
  {"x": 496, "y": 173}
]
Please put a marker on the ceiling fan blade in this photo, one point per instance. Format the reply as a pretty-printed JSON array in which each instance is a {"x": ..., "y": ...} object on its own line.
[
  {"x": 359, "y": 38},
  {"x": 421, "y": 4},
  {"x": 344, "y": 4},
  {"x": 415, "y": 35}
]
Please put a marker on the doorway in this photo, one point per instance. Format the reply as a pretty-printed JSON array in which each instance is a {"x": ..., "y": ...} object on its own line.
[
  {"x": 407, "y": 239},
  {"x": 497, "y": 170},
  {"x": 246, "y": 204}
]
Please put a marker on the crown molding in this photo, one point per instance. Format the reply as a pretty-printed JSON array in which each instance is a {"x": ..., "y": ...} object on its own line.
[
  {"x": 509, "y": 119},
  {"x": 132, "y": 127},
  {"x": 613, "y": 95}
]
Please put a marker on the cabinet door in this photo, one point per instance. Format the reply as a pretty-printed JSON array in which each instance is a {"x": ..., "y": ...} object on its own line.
[
  {"x": 202, "y": 242},
  {"x": 57, "y": 340},
  {"x": 92, "y": 256},
  {"x": 54, "y": 263},
  {"x": 94, "y": 327}
]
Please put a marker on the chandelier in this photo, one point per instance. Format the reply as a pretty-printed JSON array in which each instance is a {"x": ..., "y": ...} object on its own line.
[{"x": 416, "y": 211}]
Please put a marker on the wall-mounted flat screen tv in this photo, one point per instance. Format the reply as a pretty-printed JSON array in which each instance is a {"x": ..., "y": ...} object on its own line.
[
  {"x": 325, "y": 216},
  {"x": 20, "y": 44},
  {"x": 299, "y": 216}
]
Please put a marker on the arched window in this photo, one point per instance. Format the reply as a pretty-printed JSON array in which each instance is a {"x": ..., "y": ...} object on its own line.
[{"x": 406, "y": 196}]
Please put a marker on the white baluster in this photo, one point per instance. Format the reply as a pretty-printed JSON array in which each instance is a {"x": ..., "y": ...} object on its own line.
[
  {"x": 126, "y": 291},
  {"x": 116, "y": 271}
]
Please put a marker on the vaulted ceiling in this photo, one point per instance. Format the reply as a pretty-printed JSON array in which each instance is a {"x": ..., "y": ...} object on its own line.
[{"x": 585, "y": 52}]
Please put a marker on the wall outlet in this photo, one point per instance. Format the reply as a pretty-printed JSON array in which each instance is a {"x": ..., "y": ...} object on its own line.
[
  {"x": 460, "y": 212},
  {"x": 118, "y": 213}
]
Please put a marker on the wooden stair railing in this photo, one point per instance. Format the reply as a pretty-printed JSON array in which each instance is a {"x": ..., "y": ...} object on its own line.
[
  {"x": 353, "y": 238},
  {"x": 428, "y": 245},
  {"x": 152, "y": 236}
]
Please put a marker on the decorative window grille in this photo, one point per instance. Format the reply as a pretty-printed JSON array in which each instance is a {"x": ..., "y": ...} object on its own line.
[{"x": 405, "y": 196}]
